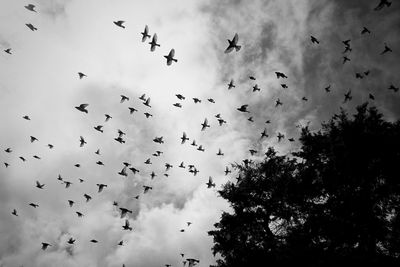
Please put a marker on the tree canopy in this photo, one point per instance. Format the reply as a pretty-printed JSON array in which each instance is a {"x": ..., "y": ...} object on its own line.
[{"x": 337, "y": 201}]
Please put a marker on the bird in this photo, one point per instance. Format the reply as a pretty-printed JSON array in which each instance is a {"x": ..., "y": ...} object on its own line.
[
  {"x": 386, "y": 49},
  {"x": 14, "y": 212},
  {"x": 193, "y": 143},
  {"x": 101, "y": 187},
  {"x": 221, "y": 121},
  {"x": 220, "y": 152},
  {"x": 196, "y": 100},
  {"x": 39, "y": 185},
  {"x": 180, "y": 97},
  {"x": 233, "y": 44},
  {"x": 145, "y": 34},
  {"x": 345, "y": 59},
  {"x": 210, "y": 182},
  {"x": 231, "y": 85},
  {"x": 132, "y": 110},
  {"x": 365, "y": 30},
  {"x": 134, "y": 170},
  {"x": 170, "y": 57},
  {"x": 178, "y": 105},
  {"x": 82, "y": 108},
  {"x": 278, "y": 102},
  {"x": 108, "y": 117},
  {"x": 36, "y": 157},
  {"x": 125, "y": 211},
  {"x": 94, "y": 241},
  {"x": 381, "y": 4},
  {"x": 359, "y": 75},
  {"x": 80, "y": 214},
  {"x": 34, "y": 205},
  {"x": 346, "y": 42},
  {"x": 88, "y": 198},
  {"x": 147, "y": 102},
  {"x": 23, "y": 159},
  {"x": 284, "y": 86},
  {"x": 82, "y": 141},
  {"x": 123, "y": 98},
  {"x": 123, "y": 172},
  {"x": 192, "y": 262},
  {"x": 146, "y": 189},
  {"x": 252, "y": 152},
  {"x": 204, "y": 125},
  {"x": 148, "y": 115},
  {"x": 280, "y": 75},
  {"x": 347, "y": 49},
  {"x": 347, "y": 96},
  {"x": 200, "y": 148},
  {"x": 8, "y": 150},
  {"x": 328, "y": 88},
  {"x": 70, "y": 203},
  {"x": 250, "y": 119},
  {"x": 182, "y": 165},
  {"x": 256, "y": 88},
  {"x": 120, "y": 23},
  {"x": 67, "y": 184},
  {"x": 31, "y": 27},
  {"x": 304, "y": 98},
  {"x": 119, "y": 140},
  {"x": 26, "y": 117},
  {"x": 33, "y": 139},
  {"x": 45, "y": 245},
  {"x": 366, "y": 73},
  {"x": 30, "y": 7},
  {"x": 394, "y": 88},
  {"x": 6, "y": 164},
  {"x": 152, "y": 175},
  {"x": 143, "y": 97},
  {"x": 168, "y": 166},
  {"x": 243, "y": 108},
  {"x": 147, "y": 161},
  {"x": 252, "y": 78},
  {"x": 97, "y": 152},
  {"x": 120, "y": 243},
  {"x": 50, "y": 146},
  {"x": 314, "y": 40},
  {"x": 280, "y": 136},
  {"x": 264, "y": 133},
  {"x": 291, "y": 139},
  {"x": 59, "y": 178},
  {"x": 8, "y": 51},
  {"x": 71, "y": 241},
  {"x": 184, "y": 138},
  {"x": 227, "y": 171},
  {"x": 159, "y": 140},
  {"x": 153, "y": 43},
  {"x": 211, "y": 100},
  {"x": 127, "y": 226},
  {"x": 371, "y": 96},
  {"x": 99, "y": 128},
  {"x": 81, "y": 75}
]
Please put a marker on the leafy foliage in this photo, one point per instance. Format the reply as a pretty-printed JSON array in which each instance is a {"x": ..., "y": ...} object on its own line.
[{"x": 336, "y": 202}]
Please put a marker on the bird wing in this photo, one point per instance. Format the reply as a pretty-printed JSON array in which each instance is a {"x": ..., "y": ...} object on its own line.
[
  {"x": 235, "y": 39},
  {"x": 171, "y": 53}
]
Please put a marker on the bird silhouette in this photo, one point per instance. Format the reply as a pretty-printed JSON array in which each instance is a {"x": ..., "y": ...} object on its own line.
[
  {"x": 148, "y": 161},
  {"x": 252, "y": 78},
  {"x": 314, "y": 40},
  {"x": 184, "y": 138},
  {"x": 6, "y": 164},
  {"x": 346, "y": 42},
  {"x": 233, "y": 44},
  {"x": 82, "y": 108},
  {"x": 30, "y": 7},
  {"x": 284, "y": 86},
  {"x": 256, "y": 88},
  {"x": 211, "y": 100},
  {"x": 159, "y": 140},
  {"x": 8, "y": 51},
  {"x": 227, "y": 171},
  {"x": 23, "y": 159},
  {"x": 70, "y": 203},
  {"x": 146, "y": 189},
  {"x": 39, "y": 185},
  {"x": 220, "y": 152},
  {"x": 280, "y": 75},
  {"x": 94, "y": 241},
  {"x": 347, "y": 96},
  {"x": 250, "y": 119},
  {"x": 120, "y": 23},
  {"x": 67, "y": 184},
  {"x": 196, "y": 100},
  {"x": 123, "y": 98},
  {"x": 71, "y": 241},
  {"x": 178, "y": 105},
  {"x": 101, "y": 187},
  {"x": 193, "y": 143},
  {"x": 145, "y": 34},
  {"x": 210, "y": 182},
  {"x": 50, "y": 146},
  {"x": 371, "y": 96},
  {"x": 264, "y": 134},
  {"x": 45, "y": 245},
  {"x": 134, "y": 170},
  {"x": 205, "y": 124},
  {"x": 345, "y": 59},
  {"x": 14, "y": 212},
  {"x": 34, "y": 205},
  {"x": 82, "y": 141},
  {"x": 170, "y": 57},
  {"x": 278, "y": 103},
  {"x": 108, "y": 117},
  {"x": 143, "y": 97},
  {"x": 386, "y": 49},
  {"x": 33, "y": 139},
  {"x": 221, "y": 122},
  {"x": 393, "y": 88},
  {"x": 200, "y": 148},
  {"x": 280, "y": 136},
  {"x": 359, "y": 75},
  {"x": 147, "y": 102},
  {"x": 231, "y": 85},
  {"x": 243, "y": 108},
  {"x": 31, "y": 27},
  {"x": 26, "y": 117},
  {"x": 87, "y": 197},
  {"x": 81, "y": 75},
  {"x": 123, "y": 172},
  {"x": 36, "y": 157},
  {"x": 304, "y": 98},
  {"x": 328, "y": 88},
  {"x": 180, "y": 97},
  {"x": 127, "y": 226},
  {"x": 347, "y": 49},
  {"x": 99, "y": 128},
  {"x": 365, "y": 30},
  {"x": 382, "y": 4},
  {"x": 153, "y": 43},
  {"x": 80, "y": 214},
  {"x": 148, "y": 115},
  {"x": 124, "y": 211},
  {"x": 8, "y": 150}
]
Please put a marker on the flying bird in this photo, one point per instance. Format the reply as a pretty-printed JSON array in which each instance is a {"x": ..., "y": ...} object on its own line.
[
  {"x": 178, "y": 105},
  {"x": 14, "y": 212},
  {"x": 211, "y": 100},
  {"x": 347, "y": 96},
  {"x": 147, "y": 102},
  {"x": 101, "y": 187},
  {"x": 30, "y": 7},
  {"x": 8, "y": 150},
  {"x": 314, "y": 40},
  {"x": 123, "y": 98},
  {"x": 108, "y": 117},
  {"x": 345, "y": 59},
  {"x": 45, "y": 245},
  {"x": 26, "y": 117},
  {"x": 204, "y": 124},
  {"x": 34, "y": 205},
  {"x": 196, "y": 100},
  {"x": 159, "y": 140},
  {"x": 256, "y": 88},
  {"x": 220, "y": 152},
  {"x": 184, "y": 138},
  {"x": 231, "y": 85},
  {"x": 233, "y": 44},
  {"x": 210, "y": 182},
  {"x": 82, "y": 141},
  {"x": 280, "y": 75},
  {"x": 70, "y": 203},
  {"x": 227, "y": 170},
  {"x": 71, "y": 241},
  {"x": 8, "y": 51},
  {"x": 280, "y": 136},
  {"x": 81, "y": 75},
  {"x": 88, "y": 198},
  {"x": 31, "y": 27},
  {"x": 145, "y": 34},
  {"x": 200, "y": 148},
  {"x": 124, "y": 211},
  {"x": 243, "y": 108},
  {"x": 33, "y": 139},
  {"x": 143, "y": 97},
  {"x": 80, "y": 214},
  {"x": 99, "y": 128},
  {"x": 39, "y": 185},
  {"x": 120, "y": 23},
  {"x": 264, "y": 133},
  {"x": 170, "y": 57},
  {"x": 153, "y": 43},
  {"x": 386, "y": 49},
  {"x": 278, "y": 102},
  {"x": 382, "y": 4},
  {"x": 50, "y": 146},
  {"x": 394, "y": 88},
  {"x": 365, "y": 30},
  {"x": 123, "y": 172},
  {"x": 146, "y": 189},
  {"x": 82, "y": 108},
  {"x": 328, "y": 88},
  {"x": 127, "y": 226}
]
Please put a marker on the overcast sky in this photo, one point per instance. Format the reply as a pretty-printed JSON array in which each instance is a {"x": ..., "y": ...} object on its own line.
[{"x": 40, "y": 79}]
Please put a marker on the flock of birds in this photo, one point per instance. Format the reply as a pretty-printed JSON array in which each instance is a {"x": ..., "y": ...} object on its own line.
[{"x": 121, "y": 135}]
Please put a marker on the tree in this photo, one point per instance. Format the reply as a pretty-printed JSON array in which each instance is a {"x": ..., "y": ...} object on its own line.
[{"x": 337, "y": 201}]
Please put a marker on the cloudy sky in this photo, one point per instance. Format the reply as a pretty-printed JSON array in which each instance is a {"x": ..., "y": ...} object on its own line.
[{"x": 40, "y": 79}]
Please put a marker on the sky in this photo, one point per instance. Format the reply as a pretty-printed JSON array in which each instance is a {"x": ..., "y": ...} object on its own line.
[{"x": 40, "y": 79}]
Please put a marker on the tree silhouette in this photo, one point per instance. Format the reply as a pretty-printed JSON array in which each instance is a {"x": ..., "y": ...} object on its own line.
[{"x": 336, "y": 202}]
